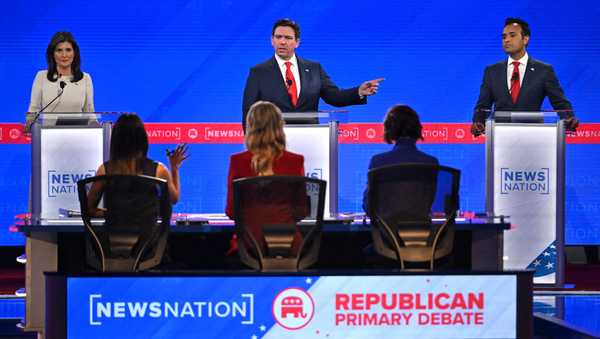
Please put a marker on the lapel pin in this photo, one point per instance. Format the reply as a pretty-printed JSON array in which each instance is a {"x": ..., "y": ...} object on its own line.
[
  {"x": 306, "y": 70},
  {"x": 532, "y": 69}
]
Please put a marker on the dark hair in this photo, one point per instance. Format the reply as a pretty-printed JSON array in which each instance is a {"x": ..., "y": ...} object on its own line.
[
  {"x": 287, "y": 23},
  {"x": 524, "y": 25},
  {"x": 58, "y": 38},
  {"x": 128, "y": 142},
  {"x": 401, "y": 121}
]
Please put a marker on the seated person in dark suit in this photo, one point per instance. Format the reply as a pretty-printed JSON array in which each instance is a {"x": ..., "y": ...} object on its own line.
[
  {"x": 128, "y": 155},
  {"x": 402, "y": 128},
  {"x": 265, "y": 155}
]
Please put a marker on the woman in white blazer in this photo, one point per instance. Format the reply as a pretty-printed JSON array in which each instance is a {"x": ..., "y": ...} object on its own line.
[{"x": 63, "y": 74}]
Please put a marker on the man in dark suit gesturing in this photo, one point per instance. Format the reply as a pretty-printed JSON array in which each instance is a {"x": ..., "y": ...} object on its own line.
[
  {"x": 520, "y": 83},
  {"x": 295, "y": 84}
]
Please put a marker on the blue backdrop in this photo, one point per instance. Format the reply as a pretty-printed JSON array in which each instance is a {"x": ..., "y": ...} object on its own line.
[{"x": 176, "y": 61}]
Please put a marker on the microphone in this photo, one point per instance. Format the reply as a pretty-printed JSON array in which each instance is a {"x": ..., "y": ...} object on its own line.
[
  {"x": 289, "y": 82},
  {"x": 62, "y": 85},
  {"x": 515, "y": 77}
]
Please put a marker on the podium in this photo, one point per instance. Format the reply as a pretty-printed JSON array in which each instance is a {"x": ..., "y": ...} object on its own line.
[
  {"x": 525, "y": 179},
  {"x": 314, "y": 135},
  {"x": 65, "y": 147}
]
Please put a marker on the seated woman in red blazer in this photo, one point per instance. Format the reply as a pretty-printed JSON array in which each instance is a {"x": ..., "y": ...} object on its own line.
[{"x": 265, "y": 155}]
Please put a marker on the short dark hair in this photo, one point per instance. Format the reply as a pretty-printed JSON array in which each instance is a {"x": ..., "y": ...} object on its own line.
[
  {"x": 60, "y": 37},
  {"x": 524, "y": 25},
  {"x": 287, "y": 23},
  {"x": 401, "y": 121}
]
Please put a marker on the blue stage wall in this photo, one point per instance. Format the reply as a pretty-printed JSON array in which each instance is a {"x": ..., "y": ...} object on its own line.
[{"x": 177, "y": 61}]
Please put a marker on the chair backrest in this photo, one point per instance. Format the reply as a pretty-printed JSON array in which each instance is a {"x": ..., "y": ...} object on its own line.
[
  {"x": 267, "y": 211},
  {"x": 402, "y": 200},
  {"x": 137, "y": 221}
]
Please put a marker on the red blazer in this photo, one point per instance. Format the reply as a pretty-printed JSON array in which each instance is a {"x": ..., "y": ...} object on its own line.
[{"x": 239, "y": 167}]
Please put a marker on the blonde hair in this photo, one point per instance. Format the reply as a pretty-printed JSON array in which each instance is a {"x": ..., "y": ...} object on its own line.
[{"x": 264, "y": 135}]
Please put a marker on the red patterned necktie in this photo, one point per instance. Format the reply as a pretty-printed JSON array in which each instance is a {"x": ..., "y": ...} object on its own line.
[
  {"x": 290, "y": 82},
  {"x": 515, "y": 82}
]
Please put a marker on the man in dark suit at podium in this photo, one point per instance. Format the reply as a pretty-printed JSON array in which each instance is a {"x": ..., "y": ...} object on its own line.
[
  {"x": 295, "y": 84},
  {"x": 519, "y": 83}
]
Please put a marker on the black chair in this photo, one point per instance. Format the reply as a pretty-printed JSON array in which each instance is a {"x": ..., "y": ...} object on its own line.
[
  {"x": 267, "y": 211},
  {"x": 402, "y": 200},
  {"x": 137, "y": 220}
]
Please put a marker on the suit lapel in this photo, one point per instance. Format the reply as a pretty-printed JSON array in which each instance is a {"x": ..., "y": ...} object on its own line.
[
  {"x": 304, "y": 73},
  {"x": 281, "y": 85},
  {"x": 504, "y": 81},
  {"x": 527, "y": 77}
]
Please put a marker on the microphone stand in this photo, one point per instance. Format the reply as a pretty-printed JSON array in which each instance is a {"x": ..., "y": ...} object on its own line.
[{"x": 62, "y": 85}]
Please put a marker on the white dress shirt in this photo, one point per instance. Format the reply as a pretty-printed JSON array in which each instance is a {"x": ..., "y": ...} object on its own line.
[
  {"x": 522, "y": 68},
  {"x": 77, "y": 96},
  {"x": 293, "y": 67}
]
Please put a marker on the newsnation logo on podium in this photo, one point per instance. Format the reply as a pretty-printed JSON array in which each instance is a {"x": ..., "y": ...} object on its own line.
[
  {"x": 531, "y": 180},
  {"x": 67, "y": 156},
  {"x": 424, "y": 306}
]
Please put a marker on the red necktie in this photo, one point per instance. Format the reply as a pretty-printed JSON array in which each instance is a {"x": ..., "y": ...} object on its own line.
[
  {"x": 291, "y": 84},
  {"x": 515, "y": 82}
]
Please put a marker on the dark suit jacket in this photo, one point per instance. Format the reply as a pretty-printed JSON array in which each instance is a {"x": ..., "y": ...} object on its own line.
[
  {"x": 405, "y": 151},
  {"x": 539, "y": 82},
  {"x": 266, "y": 83}
]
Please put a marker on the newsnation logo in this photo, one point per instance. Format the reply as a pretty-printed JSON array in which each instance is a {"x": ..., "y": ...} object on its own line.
[
  {"x": 315, "y": 173},
  {"x": 525, "y": 180},
  {"x": 64, "y": 183},
  {"x": 242, "y": 309}
]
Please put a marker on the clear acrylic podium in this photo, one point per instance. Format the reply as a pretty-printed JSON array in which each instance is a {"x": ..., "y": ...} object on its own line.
[
  {"x": 315, "y": 136},
  {"x": 525, "y": 179}
]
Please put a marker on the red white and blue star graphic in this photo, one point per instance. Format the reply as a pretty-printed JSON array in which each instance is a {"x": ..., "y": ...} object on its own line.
[{"x": 545, "y": 263}]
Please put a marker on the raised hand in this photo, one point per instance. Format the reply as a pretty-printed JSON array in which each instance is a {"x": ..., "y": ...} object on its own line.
[
  {"x": 369, "y": 87},
  {"x": 177, "y": 156}
]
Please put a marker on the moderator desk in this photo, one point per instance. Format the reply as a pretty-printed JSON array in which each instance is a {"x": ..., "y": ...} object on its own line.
[
  {"x": 61, "y": 248},
  {"x": 308, "y": 304}
]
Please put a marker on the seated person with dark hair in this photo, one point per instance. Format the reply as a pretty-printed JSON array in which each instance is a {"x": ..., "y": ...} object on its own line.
[
  {"x": 128, "y": 155},
  {"x": 402, "y": 128},
  {"x": 131, "y": 208}
]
